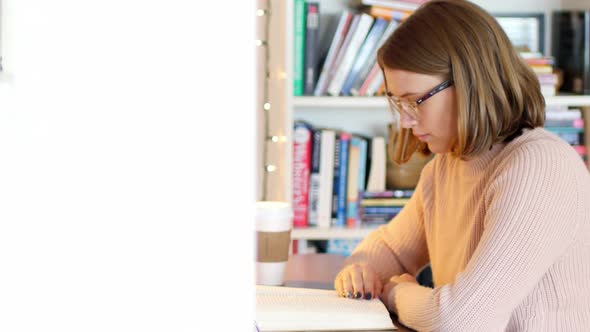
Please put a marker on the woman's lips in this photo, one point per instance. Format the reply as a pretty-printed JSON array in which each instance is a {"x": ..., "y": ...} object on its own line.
[{"x": 423, "y": 138}]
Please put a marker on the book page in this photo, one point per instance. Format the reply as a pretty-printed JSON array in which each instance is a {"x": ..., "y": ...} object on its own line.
[{"x": 305, "y": 309}]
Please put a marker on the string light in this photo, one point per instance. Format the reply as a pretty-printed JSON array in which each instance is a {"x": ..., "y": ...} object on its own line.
[
  {"x": 277, "y": 139},
  {"x": 269, "y": 167}
]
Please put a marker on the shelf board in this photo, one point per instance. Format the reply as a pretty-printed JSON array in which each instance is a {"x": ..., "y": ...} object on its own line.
[
  {"x": 380, "y": 102},
  {"x": 339, "y": 102},
  {"x": 316, "y": 233},
  {"x": 568, "y": 100}
]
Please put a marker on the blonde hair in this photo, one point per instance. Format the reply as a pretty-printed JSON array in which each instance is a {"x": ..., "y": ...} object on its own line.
[{"x": 497, "y": 93}]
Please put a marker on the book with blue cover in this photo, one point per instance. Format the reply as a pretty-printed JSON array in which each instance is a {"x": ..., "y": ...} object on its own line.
[
  {"x": 368, "y": 48},
  {"x": 343, "y": 179}
]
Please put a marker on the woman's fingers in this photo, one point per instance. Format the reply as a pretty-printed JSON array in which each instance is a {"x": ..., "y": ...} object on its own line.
[
  {"x": 358, "y": 281},
  {"x": 347, "y": 285},
  {"x": 338, "y": 284},
  {"x": 358, "y": 286},
  {"x": 370, "y": 284}
]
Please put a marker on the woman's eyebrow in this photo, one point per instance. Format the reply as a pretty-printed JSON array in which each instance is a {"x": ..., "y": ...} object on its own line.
[{"x": 408, "y": 94}]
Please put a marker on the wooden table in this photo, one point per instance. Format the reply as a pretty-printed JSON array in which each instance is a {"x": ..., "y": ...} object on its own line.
[
  {"x": 319, "y": 271},
  {"x": 313, "y": 270}
]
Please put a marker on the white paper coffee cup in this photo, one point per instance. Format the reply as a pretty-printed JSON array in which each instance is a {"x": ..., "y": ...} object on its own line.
[{"x": 274, "y": 221}]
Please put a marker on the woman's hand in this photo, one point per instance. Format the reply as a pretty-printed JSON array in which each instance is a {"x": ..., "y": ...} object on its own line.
[
  {"x": 394, "y": 281},
  {"x": 357, "y": 281}
]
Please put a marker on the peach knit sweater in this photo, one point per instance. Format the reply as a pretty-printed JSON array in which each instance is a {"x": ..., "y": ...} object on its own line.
[{"x": 507, "y": 235}]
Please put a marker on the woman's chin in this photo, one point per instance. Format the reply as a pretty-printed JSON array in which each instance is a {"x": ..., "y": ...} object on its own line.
[{"x": 436, "y": 148}]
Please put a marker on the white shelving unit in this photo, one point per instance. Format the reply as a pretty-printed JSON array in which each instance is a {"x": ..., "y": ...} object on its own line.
[{"x": 369, "y": 115}]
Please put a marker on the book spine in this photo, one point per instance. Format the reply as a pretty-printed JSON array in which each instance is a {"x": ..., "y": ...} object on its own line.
[
  {"x": 376, "y": 181},
  {"x": 326, "y": 178},
  {"x": 363, "y": 167},
  {"x": 314, "y": 181},
  {"x": 339, "y": 36},
  {"x": 343, "y": 50},
  {"x": 358, "y": 37},
  {"x": 364, "y": 55},
  {"x": 312, "y": 40},
  {"x": 335, "y": 186},
  {"x": 389, "y": 13},
  {"x": 375, "y": 84},
  {"x": 342, "y": 179},
  {"x": 353, "y": 185},
  {"x": 299, "y": 47},
  {"x": 368, "y": 210},
  {"x": 410, "y": 5},
  {"x": 376, "y": 70},
  {"x": 384, "y": 201},
  {"x": 362, "y": 178},
  {"x": 576, "y": 123},
  {"x": 405, "y": 193},
  {"x": 302, "y": 138},
  {"x": 366, "y": 69}
]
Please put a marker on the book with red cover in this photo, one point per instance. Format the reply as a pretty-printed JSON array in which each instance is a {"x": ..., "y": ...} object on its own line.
[{"x": 302, "y": 145}]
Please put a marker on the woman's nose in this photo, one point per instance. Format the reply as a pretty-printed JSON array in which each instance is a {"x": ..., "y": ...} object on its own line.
[{"x": 407, "y": 121}]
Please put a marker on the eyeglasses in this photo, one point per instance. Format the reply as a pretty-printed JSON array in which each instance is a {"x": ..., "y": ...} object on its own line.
[{"x": 399, "y": 105}]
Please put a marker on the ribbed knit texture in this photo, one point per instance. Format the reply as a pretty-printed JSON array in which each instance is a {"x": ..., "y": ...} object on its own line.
[{"x": 507, "y": 235}]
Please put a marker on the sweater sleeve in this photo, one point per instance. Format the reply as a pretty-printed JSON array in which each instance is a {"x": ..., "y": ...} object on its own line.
[
  {"x": 530, "y": 221},
  {"x": 399, "y": 246}
]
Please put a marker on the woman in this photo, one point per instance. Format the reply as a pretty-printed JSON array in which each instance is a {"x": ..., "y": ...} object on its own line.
[{"x": 502, "y": 213}]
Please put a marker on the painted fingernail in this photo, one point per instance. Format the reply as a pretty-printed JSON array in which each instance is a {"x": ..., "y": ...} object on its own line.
[
  {"x": 368, "y": 296},
  {"x": 349, "y": 295},
  {"x": 357, "y": 295}
]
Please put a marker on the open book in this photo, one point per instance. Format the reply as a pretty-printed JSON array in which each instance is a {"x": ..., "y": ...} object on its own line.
[{"x": 305, "y": 309}]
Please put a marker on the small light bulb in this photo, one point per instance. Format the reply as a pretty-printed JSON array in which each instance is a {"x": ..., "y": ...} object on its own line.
[
  {"x": 266, "y": 106},
  {"x": 260, "y": 42},
  {"x": 260, "y": 12},
  {"x": 274, "y": 139},
  {"x": 271, "y": 168}
]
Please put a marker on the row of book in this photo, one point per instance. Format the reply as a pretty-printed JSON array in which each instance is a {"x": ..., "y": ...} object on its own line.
[
  {"x": 334, "y": 172},
  {"x": 569, "y": 124},
  {"x": 350, "y": 66},
  {"x": 543, "y": 67}
]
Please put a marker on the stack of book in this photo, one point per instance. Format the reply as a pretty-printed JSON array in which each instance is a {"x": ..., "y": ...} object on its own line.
[
  {"x": 569, "y": 125},
  {"x": 332, "y": 170},
  {"x": 378, "y": 208},
  {"x": 543, "y": 68},
  {"x": 350, "y": 66}
]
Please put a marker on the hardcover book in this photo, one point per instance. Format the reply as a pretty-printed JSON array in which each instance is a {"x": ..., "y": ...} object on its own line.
[
  {"x": 365, "y": 53},
  {"x": 312, "y": 40},
  {"x": 299, "y": 47},
  {"x": 328, "y": 68},
  {"x": 358, "y": 36},
  {"x": 302, "y": 145}
]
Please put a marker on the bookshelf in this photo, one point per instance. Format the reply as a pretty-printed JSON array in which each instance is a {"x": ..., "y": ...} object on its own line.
[
  {"x": 315, "y": 233},
  {"x": 364, "y": 115}
]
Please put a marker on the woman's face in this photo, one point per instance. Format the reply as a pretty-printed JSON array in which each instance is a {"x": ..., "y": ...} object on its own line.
[{"x": 437, "y": 121}]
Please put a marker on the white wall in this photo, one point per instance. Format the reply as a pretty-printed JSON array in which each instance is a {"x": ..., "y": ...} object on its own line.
[
  {"x": 575, "y": 4},
  {"x": 126, "y": 165}
]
